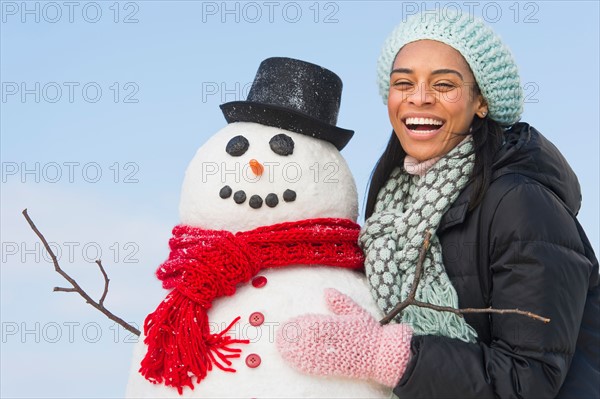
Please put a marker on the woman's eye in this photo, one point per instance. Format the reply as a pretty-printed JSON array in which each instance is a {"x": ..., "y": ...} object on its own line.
[
  {"x": 403, "y": 85},
  {"x": 282, "y": 144},
  {"x": 444, "y": 86},
  {"x": 237, "y": 146}
]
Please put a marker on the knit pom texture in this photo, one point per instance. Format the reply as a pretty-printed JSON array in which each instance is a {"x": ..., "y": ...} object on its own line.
[{"x": 408, "y": 206}]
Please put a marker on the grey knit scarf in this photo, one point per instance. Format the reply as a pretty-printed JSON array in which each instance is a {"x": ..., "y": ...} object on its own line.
[{"x": 392, "y": 237}]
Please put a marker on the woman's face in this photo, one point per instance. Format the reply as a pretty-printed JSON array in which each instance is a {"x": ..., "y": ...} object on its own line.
[{"x": 432, "y": 97}]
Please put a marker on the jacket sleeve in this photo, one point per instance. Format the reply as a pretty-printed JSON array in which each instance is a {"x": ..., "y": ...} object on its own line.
[{"x": 537, "y": 264}]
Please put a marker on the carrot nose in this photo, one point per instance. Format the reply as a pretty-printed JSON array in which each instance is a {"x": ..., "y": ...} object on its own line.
[{"x": 256, "y": 167}]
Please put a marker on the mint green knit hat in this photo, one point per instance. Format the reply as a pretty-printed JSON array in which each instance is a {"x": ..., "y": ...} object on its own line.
[{"x": 490, "y": 60}]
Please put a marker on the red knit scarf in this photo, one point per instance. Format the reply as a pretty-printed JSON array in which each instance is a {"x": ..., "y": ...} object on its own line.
[{"x": 207, "y": 264}]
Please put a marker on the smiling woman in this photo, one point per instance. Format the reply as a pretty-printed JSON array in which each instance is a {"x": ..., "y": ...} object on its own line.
[
  {"x": 460, "y": 166},
  {"x": 432, "y": 99}
]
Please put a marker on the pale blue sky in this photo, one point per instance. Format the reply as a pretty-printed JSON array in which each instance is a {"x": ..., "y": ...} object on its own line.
[{"x": 162, "y": 76}]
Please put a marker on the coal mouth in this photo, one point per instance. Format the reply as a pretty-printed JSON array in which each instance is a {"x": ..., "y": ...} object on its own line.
[{"x": 256, "y": 201}]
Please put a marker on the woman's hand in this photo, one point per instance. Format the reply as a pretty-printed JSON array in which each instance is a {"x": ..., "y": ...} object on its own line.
[{"x": 350, "y": 343}]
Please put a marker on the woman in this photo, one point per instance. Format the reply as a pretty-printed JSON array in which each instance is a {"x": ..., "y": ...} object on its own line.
[{"x": 500, "y": 201}]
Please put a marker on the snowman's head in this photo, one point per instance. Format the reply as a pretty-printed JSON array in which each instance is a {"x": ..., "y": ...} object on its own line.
[{"x": 249, "y": 175}]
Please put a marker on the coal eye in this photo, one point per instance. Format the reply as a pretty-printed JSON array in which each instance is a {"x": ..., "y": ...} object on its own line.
[
  {"x": 282, "y": 144},
  {"x": 237, "y": 146}
]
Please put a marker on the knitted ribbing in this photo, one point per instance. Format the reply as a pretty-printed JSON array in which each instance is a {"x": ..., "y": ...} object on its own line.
[
  {"x": 407, "y": 206},
  {"x": 207, "y": 264},
  {"x": 490, "y": 60}
]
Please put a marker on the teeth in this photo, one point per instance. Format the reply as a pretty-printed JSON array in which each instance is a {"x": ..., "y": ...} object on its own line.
[{"x": 423, "y": 121}]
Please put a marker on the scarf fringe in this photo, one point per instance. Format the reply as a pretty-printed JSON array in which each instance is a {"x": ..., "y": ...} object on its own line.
[
  {"x": 432, "y": 322},
  {"x": 180, "y": 344}
]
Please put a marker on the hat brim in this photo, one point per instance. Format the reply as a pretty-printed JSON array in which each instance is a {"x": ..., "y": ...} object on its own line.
[{"x": 284, "y": 118}]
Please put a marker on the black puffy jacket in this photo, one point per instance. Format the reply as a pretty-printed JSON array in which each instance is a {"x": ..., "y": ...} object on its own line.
[{"x": 521, "y": 247}]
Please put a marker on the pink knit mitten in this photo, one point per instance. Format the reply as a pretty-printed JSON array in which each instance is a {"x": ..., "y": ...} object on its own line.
[{"x": 350, "y": 343}]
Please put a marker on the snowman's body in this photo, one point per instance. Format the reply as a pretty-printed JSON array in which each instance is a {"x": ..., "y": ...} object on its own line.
[{"x": 324, "y": 188}]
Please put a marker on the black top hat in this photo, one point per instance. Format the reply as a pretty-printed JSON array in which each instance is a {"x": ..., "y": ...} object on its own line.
[{"x": 293, "y": 95}]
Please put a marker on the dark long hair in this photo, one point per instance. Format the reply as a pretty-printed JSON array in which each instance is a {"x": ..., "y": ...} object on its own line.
[{"x": 487, "y": 138}]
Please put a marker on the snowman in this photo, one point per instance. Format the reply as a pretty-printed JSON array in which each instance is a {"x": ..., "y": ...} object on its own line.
[{"x": 268, "y": 210}]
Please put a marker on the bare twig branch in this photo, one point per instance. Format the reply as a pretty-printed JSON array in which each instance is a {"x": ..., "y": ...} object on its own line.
[
  {"x": 413, "y": 290},
  {"x": 460, "y": 312},
  {"x": 504, "y": 311},
  {"x": 61, "y": 289},
  {"x": 76, "y": 287},
  {"x": 106, "y": 280},
  {"x": 410, "y": 299}
]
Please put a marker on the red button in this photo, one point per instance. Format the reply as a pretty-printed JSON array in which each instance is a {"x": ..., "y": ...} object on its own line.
[
  {"x": 259, "y": 281},
  {"x": 256, "y": 319},
  {"x": 253, "y": 360}
]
